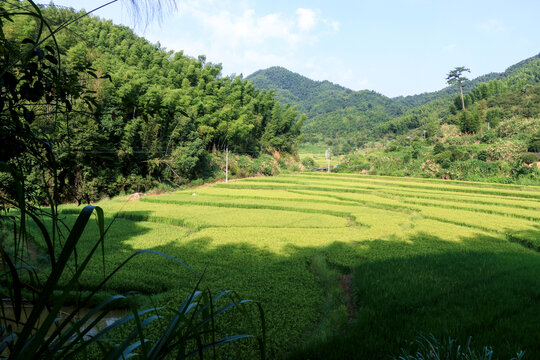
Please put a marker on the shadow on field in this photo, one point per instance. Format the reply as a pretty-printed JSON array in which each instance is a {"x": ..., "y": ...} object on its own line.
[
  {"x": 527, "y": 238},
  {"x": 481, "y": 286}
]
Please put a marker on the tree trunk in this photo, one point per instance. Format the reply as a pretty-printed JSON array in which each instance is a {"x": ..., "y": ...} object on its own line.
[{"x": 462, "y": 99}]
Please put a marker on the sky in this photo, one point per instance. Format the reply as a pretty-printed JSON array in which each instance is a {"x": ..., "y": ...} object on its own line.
[{"x": 394, "y": 47}]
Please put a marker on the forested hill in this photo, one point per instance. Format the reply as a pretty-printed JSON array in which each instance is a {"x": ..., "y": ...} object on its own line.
[
  {"x": 294, "y": 88},
  {"x": 156, "y": 114},
  {"x": 331, "y": 110},
  {"x": 335, "y": 112}
]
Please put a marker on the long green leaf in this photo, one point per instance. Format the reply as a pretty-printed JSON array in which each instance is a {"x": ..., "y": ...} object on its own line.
[
  {"x": 74, "y": 279},
  {"x": 139, "y": 326},
  {"x": 221, "y": 310},
  {"x": 108, "y": 329},
  {"x": 16, "y": 286},
  {"x": 7, "y": 340},
  {"x": 219, "y": 342},
  {"x": 166, "y": 337},
  {"x": 24, "y": 348},
  {"x": 99, "y": 311},
  {"x": 118, "y": 350},
  {"x": 46, "y": 238},
  {"x": 83, "y": 265}
]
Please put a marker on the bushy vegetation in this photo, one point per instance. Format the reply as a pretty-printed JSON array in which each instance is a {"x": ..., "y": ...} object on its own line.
[{"x": 492, "y": 140}]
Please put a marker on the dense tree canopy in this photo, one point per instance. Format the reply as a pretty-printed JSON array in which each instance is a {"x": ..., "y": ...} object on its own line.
[
  {"x": 332, "y": 111},
  {"x": 153, "y": 114}
]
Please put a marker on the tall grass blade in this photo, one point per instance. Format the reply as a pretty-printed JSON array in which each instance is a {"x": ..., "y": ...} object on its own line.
[
  {"x": 23, "y": 347},
  {"x": 218, "y": 342},
  {"x": 16, "y": 285}
]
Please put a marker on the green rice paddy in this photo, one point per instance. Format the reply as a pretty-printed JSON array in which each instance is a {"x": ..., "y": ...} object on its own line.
[
  {"x": 317, "y": 153},
  {"x": 454, "y": 259}
]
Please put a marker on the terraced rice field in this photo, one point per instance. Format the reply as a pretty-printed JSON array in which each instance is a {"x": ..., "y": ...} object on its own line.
[
  {"x": 449, "y": 258},
  {"x": 317, "y": 153}
]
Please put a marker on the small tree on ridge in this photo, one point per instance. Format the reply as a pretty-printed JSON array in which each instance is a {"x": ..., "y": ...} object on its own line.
[{"x": 455, "y": 77}]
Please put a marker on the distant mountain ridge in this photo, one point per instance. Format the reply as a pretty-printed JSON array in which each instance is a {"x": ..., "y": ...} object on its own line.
[
  {"x": 333, "y": 110},
  {"x": 291, "y": 87}
]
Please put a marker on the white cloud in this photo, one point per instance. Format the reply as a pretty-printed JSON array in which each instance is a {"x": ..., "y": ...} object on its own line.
[
  {"x": 307, "y": 19},
  {"x": 245, "y": 29},
  {"x": 239, "y": 25},
  {"x": 245, "y": 40},
  {"x": 492, "y": 25},
  {"x": 251, "y": 29}
]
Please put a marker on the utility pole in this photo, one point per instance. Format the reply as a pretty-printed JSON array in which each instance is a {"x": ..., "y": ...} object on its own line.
[
  {"x": 327, "y": 156},
  {"x": 227, "y": 165}
]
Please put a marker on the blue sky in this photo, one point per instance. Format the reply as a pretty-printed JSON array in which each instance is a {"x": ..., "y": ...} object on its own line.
[{"x": 395, "y": 47}]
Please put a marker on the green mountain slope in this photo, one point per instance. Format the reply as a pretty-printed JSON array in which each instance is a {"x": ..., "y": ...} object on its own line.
[
  {"x": 335, "y": 113},
  {"x": 495, "y": 138},
  {"x": 332, "y": 110}
]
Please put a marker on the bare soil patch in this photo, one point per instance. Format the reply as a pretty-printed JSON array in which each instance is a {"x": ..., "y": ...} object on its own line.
[{"x": 345, "y": 283}]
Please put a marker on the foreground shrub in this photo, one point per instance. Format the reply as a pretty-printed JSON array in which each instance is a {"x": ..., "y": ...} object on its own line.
[
  {"x": 530, "y": 158},
  {"x": 438, "y": 148},
  {"x": 482, "y": 155},
  {"x": 430, "y": 348},
  {"x": 308, "y": 162}
]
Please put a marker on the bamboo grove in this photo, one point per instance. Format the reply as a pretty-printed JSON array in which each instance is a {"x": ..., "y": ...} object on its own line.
[{"x": 142, "y": 114}]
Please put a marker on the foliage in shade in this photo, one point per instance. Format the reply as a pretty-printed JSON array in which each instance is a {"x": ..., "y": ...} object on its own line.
[{"x": 430, "y": 348}]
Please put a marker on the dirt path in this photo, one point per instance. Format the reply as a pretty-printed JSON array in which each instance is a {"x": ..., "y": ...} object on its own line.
[{"x": 345, "y": 282}]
